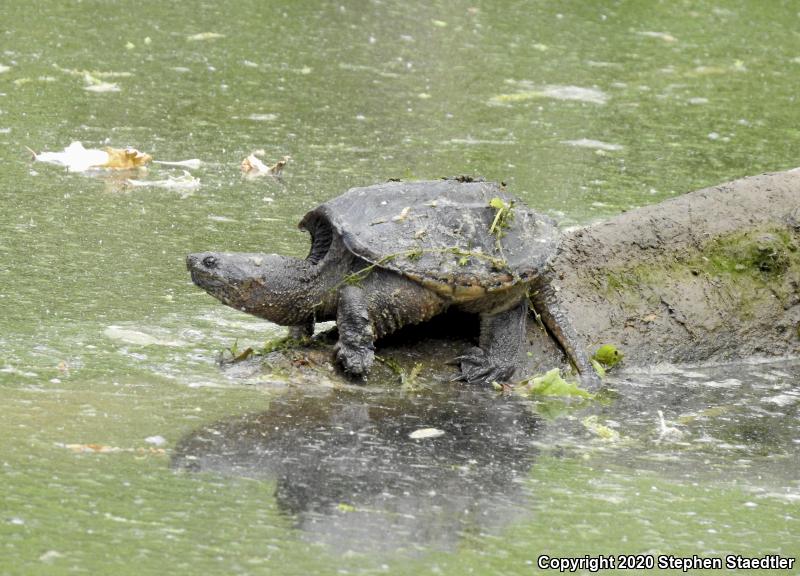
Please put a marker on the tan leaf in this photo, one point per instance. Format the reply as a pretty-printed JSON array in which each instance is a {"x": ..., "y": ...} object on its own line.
[
  {"x": 124, "y": 159},
  {"x": 403, "y": 214},
  {"x": 253, "y": 167}
]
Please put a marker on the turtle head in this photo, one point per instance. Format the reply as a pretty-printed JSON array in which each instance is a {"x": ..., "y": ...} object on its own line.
[{"x": 270, "y": 286}]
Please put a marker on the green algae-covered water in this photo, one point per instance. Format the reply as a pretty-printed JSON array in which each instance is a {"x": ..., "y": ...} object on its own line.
[{"x": 126, "y": 449}]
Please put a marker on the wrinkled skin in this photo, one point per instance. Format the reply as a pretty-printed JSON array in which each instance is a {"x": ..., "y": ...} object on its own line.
[{"x": 296, "y": 293}]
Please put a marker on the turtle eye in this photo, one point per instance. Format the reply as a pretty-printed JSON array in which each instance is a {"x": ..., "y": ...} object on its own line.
[{"x": 210, "y": 262}]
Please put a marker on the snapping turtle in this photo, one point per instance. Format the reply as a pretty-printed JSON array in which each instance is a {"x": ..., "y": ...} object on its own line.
[{"x": 400, "y": 253}]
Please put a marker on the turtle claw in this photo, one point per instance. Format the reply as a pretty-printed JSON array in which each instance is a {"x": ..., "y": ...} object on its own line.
[
  {"x": 477, "y": 368},
  {"x": 355, "y": 362}
]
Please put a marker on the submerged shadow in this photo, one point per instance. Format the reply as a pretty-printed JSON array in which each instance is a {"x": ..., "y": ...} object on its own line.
[{"x": 364, "y": 470}]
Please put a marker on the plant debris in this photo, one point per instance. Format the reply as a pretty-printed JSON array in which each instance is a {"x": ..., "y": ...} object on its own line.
[
  {"x": 184, "y": 183},
  {"x": 667, "y": 432},
  {"x": 608, "y": 356},
  {"x": 191, "y": 164},
  {"x": 408, "y": 378},
  {"x": 403, "y": 214},
  {"x": 233, "y": 355},
  {"x": 593, "y": 425},
  {"x": 76, "y": 158},
  {"x": 551, "y": 384},
  {"x": 503, "y": 217},
  {"x": 425, "y": 433},
  {"x": 95, "y": 81},
  {"x": 95, "y": 448},
  {"x": 204, "y": 36},
  {"x": 253, "y": 167}
]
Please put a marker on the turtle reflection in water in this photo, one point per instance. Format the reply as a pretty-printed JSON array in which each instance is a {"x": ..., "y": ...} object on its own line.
[
  {"x": 367, "y": 471},
  {"x": 399, "y": 253}
]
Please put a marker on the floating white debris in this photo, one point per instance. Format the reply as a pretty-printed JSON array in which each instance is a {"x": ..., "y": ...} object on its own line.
[
  {"x": 94, "y": 79},
  {"x": 185, "y": 182},
  {"x": 665, "y": 36},
  {"x": 49, "y": 556},
  {"x": 156, "y": 440},
  {"x": 424, "y": 433},
  {"x": 216, "y": 218},
  {"x": 783, "y": 399},
  {"x": 139, "y": 338},
  {"x": 76, "y": 158},
  {"x": 192, "y": 164},
  {"x": 603, "y": 64},
  {"x": 204, "y": 36},
  {"x": 101, "y": 87},
  {"x": 556, "y": 92},
  {"x": 269, "y": 117},
  {"x": 253, "y": 167},
  {"x": 596, "y": 144},
  {"x": 666, "y": 432},
  {"x": 4, "y": 68},
  {"x": 470, "y": 141},
  {"x": 729, "y": 383},
  {"x": 697, "y": 100}
]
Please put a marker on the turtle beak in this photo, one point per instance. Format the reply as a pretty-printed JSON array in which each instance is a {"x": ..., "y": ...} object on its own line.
[
  {"x": 203, "y": 267},
  {"x": 191, "y": 261},
  {"x": 201, "y": 261}
]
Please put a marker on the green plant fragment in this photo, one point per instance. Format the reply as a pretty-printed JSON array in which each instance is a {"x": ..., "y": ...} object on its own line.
[
  {"x": 608, "y": 355},
  {"x": 552, "y": 384}
]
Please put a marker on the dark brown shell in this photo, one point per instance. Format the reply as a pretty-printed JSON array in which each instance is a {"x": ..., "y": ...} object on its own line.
[{"x": 437, "y": 233}]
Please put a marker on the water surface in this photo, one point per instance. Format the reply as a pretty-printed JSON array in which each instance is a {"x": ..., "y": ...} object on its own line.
[{"x": 107, "y": 352}]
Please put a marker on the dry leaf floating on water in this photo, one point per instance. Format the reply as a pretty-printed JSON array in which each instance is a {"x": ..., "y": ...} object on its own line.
[
  {"x": 253, "y": 167},
  {"x": 277, "y": 168},
  {"x": 76, "y": 158},
  {"x": 125, "y": 158}
]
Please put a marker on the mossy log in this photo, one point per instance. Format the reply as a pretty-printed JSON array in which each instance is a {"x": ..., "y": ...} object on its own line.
[{"x": 712, "y": 275}]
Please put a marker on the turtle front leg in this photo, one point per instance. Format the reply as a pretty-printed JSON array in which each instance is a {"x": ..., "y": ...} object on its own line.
[
  {"x": 355, "y": 350},
  {"x": 501, "y": 338}
]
